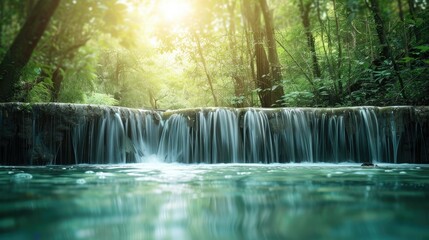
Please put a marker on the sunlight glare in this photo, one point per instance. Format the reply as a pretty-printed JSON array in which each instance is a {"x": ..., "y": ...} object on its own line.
[
  {"x": 174, "y": 10},
  {"x": 153, "y": 41}
]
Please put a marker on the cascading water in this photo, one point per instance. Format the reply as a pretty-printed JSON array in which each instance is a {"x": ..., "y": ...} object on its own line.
[{"x": 42, "y": 134}]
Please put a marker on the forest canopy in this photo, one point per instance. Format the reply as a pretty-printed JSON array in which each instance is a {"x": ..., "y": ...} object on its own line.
[{"x": 168, "y": 54}]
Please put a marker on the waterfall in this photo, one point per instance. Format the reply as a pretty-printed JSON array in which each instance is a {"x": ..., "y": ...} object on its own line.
[{"x": 41, "y": 134}]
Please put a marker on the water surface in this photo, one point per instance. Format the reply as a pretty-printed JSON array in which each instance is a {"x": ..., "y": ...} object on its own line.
[{"x": 223, "y": 201}]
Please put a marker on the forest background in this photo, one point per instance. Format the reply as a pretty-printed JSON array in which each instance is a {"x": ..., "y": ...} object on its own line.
[{"x": 169, "y": 54}]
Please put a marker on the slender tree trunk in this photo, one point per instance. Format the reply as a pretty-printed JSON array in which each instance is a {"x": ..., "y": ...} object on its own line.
[
  {"x": 251, "y": 63},
  {"x": 236, "y": 74},
  {"x": 275, "y": 67},
  {"x": 349, "y": 69},
  {"x": 412, "y": 11},
  {"x": 369, "y": 34},
  {"x": 405, "y": 33},
  {"x": 206, "y": 71},
  {"x": 340, "y": 51},
  {"x": 69, "y": 54},
  {"x": 263, "y": 75},
  {"x": 23, "y": 46},
  {"x": 400, "y": 10},
  {"x": 379, "y": 27},
  {"x": 153, "y": 101},
  {"x": 309, "y": 79},
  {"x": 305, "y": 17},
  {"x": 386, "y": 52},
  {"x": 2, "y": 21},
  {"x": 251, "y": 54},
  {"x": 57, "y": 79},
  {"x": 263, "y": 78},
  {"x": 322, "y": 36}
]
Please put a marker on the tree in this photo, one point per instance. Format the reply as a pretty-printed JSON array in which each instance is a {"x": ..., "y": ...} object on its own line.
[
  {"x": 270, "y": 90},
  {"x": 204, "y": 63},
  {"x": 23, "y": 46},
  {"x": 237, "y": 61},
  {"x": 192, "y": 53},
  {"x": 275, "y": 66},
  {"x": 386, "y": 51},
  {"x": 305, "y": 16}
]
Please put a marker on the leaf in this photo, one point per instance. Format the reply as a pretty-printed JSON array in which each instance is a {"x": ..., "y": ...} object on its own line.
[
  {"x": 422, "y": 48},
  {"x": 407, "y": 59},
  {"x": 37, "y": 70}
]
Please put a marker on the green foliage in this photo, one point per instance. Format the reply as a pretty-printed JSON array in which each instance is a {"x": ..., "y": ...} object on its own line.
[
  {"x": 128, "y": 53},
  {"x": 301, "y": 99},
  {"x": 100, "y": 99},
  {"x": 40, "y": 92},
  {"x": 79, "y": 77},
  {"x": 237, "y": 100},
  {"x": 36, "y": 84}
]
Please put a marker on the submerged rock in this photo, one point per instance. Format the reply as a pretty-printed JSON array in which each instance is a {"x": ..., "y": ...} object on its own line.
[{"x": 368, "y": 164}]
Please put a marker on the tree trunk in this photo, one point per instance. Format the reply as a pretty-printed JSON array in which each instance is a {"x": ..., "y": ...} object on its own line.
[
  {"x": 236, "y": 74},
  {"x": 379, "y": 27},
  {"x": 206, "y": 71},
  {"x": 386, "y": 52},
  {"x": 305, "y": 17},
  {"x": 23, "y": 46},
  {"x": 275, "y": 67},
  {"x": 323, "y": 42},
  {"x": 153, "y": 101},
  {"x": 405, "y": 32},
  {"x": 340, "y": 52},
  {"x": 28, "y": 7},
  {"x": 57, "y": 79},
  {"x": 263, "y": 78},
  {"x": 309, "y": 79},
  {"x": 251, "y": 54},
  {"x": 2, "y": 10},
  {"x": 414, "y": 30}
]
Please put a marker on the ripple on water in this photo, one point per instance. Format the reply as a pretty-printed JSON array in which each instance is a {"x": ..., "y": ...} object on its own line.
[
  {"x": 367, "y": 173},
  {"x": 80, "y": 181},
  {"x": 21, "y": 177},
  {"x": 103, "y": 175}
]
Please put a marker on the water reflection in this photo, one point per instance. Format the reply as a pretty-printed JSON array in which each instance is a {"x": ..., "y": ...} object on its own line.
[{"x": 167, "y": 201}]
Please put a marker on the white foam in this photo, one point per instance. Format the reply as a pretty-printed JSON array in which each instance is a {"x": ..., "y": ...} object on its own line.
[
  {"x": 22, "y": 177},
  {"x": 81, "y": 181}
]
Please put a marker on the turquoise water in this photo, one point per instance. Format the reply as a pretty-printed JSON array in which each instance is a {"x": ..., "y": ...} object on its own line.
[{"x": 225, "y": 201}]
